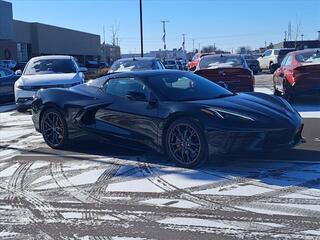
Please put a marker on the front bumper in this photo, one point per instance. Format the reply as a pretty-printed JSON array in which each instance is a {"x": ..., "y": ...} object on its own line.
[
  {"x": 23, "y": 98},
  {"x": 233, "y": 142}
]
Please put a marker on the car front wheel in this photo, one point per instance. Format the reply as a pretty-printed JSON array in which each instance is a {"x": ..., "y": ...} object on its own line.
[
  {"x": 185, "y": 144},
  {"x": 54, "y": 128}
]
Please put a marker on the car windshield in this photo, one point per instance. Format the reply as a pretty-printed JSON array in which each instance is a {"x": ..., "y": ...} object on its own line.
[
  {"x": 134, "y": 65},
  {"x": 308, "y": 57},
  {"x": 220, "y": 61},
  {"x": 248, "y": 57},
  {"x": 50, "y": 66},
  {"x": 169, "y": 62},
  {"x": 185, "y": 86}
]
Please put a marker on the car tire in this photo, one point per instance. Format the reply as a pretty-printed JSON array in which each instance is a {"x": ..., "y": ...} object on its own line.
[
  {"x": 21, "y": 109},
  {"x": 185, "y": 143},
  {"x": 54, "y": 128},
  {"x": 287, "y": 92},
  {"x": 272, "y": 67},
  {"x": 254, "y": 69}
]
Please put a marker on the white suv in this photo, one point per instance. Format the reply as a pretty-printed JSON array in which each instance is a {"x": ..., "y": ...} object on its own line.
[
  {"x": 272, "y": 58},
  {"x": 46, "y": 72}
]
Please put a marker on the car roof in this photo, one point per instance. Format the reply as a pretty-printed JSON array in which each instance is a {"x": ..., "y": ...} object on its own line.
[
  {"x": 138, "y": 59},
  {"x": 144, "y": 73},
  {"x": 222, "y": 55},
  {"x": 52, "y": 57},
  {"x": 306, "y": 51}
]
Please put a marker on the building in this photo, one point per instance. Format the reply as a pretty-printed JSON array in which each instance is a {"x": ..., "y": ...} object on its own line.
[
  {"x": 110, "y": 53},
  {"x": 161, "y": 54},
  {"x": 298, "y": 44},
  {"x": 21, "y": 40}
]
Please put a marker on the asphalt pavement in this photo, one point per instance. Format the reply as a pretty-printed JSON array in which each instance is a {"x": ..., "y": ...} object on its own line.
[{"x": 94, "y": 190}]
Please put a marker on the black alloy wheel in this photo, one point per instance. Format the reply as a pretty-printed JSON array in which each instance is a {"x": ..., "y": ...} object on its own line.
[
  {"x": 185, "y": 144},
  {"x": 54, "y": 128}
]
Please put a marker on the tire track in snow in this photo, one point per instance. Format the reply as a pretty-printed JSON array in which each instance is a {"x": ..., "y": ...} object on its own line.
[{"x": 40, "y": 209}]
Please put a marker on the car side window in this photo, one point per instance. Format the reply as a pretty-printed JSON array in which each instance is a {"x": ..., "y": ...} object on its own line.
[
  {"x": 288, "y": 61},
  {"x": 267, "y": 53},
  {"x": 120, "y": 87},
  {"x": 4, "y": 73},
  {"x": 284, "y": 61}
]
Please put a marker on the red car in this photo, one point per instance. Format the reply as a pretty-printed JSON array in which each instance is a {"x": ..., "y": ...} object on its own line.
[
  {"x": 231, "y": 70},
  {"x": 298, "y": 74},
  {"x": 195, "y": 60}
]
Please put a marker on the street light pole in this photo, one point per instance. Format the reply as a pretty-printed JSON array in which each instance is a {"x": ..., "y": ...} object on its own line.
[{"x": 141, "y": 31}]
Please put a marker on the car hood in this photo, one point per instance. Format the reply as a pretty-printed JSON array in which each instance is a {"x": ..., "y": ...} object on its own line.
[
  {"x": 259, "y": 106},
  {"x": 49, "y": 79}
]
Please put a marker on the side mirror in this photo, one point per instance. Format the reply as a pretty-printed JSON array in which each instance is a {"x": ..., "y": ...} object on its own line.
[
  {"x": 18, "y": 72},
  {"x": 136, "y": 96},
  {"x": 83, "y": 69},
  {"x": 222, "y": 84}
]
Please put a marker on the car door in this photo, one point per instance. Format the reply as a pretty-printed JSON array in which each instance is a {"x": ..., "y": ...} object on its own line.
[
  {"x": 130, "y": 117},
  {"x": 264, "y": 62},
  {"x": 7, "y": 80},
  {"x": 284, "y": 70}
]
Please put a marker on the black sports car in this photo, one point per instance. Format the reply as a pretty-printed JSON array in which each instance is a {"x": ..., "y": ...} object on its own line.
[{"x": 179, "y": 113}]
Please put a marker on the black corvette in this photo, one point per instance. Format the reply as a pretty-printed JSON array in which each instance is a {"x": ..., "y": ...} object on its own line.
[{"x": 179, "y": 113}]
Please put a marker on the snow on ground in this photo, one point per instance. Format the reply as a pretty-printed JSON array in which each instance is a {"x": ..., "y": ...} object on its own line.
[{"x": 139, "y": 196}]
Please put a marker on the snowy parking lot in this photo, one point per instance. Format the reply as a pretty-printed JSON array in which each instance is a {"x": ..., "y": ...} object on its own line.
[{"x": 98, "y": 191}]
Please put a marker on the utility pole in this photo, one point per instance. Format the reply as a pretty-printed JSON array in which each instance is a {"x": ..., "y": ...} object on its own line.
[
  {"x": 104, "y": 44},
  {"x": 193, "y": 45},
  {"x": 199, "y": 50},
  {"x": 285, "y": 36},
  {"x": 164, "y": 34},
  {"x": 183, "y": 42},
  {"x": 141, "y": 30},
  {"x": 302, "y": 37}
]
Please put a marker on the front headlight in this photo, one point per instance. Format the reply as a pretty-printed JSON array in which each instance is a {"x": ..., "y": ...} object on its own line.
[
  {"x": 22, "y": 87},
  {"x": 226, "y": 114}
]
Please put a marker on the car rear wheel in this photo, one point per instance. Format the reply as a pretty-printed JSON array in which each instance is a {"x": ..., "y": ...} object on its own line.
[
  {"x": 254, "y": 69},
  {"x": 54, "y": 128},
  {"x": 287, "y": 91},
  {"x": 21, "y": 109},
  {"x": 185, "y": 144}
]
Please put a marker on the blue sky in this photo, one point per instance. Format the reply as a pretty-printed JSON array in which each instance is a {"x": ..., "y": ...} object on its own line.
[{"x": 227, "y": 23}]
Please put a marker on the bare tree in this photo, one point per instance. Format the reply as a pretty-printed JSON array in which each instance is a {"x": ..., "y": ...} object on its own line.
[{"x": 114, "y": 29}]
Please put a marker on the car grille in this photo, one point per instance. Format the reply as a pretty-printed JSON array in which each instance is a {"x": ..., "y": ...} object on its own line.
[
  {"x": 35, "y": 88},
  {"x": 279, "y": 137}
]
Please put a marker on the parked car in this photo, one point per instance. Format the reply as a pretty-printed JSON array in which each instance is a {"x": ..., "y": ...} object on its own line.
[
  {"x": 46, "y": 72},
  {"x": 272, "y": 58},
  {"x": 103, "y": 65},
  {"x": 298, "y": 74},
  {"x": 20, "y": 66},
  {"x": 195, "y": 60},
  {"x": 136, "y": 64},
  {"x": 7, "y": 80},
  {"x": 227, "y": 69},
  {"x": 171, "y": 64},
  {"x": 175, "y": 112},
  {"x": 92, "y": 64},
  {"x": 182, "y": 65},
  {"x": 252, "y": 62},
  {"x": 8, "y": 64}
]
